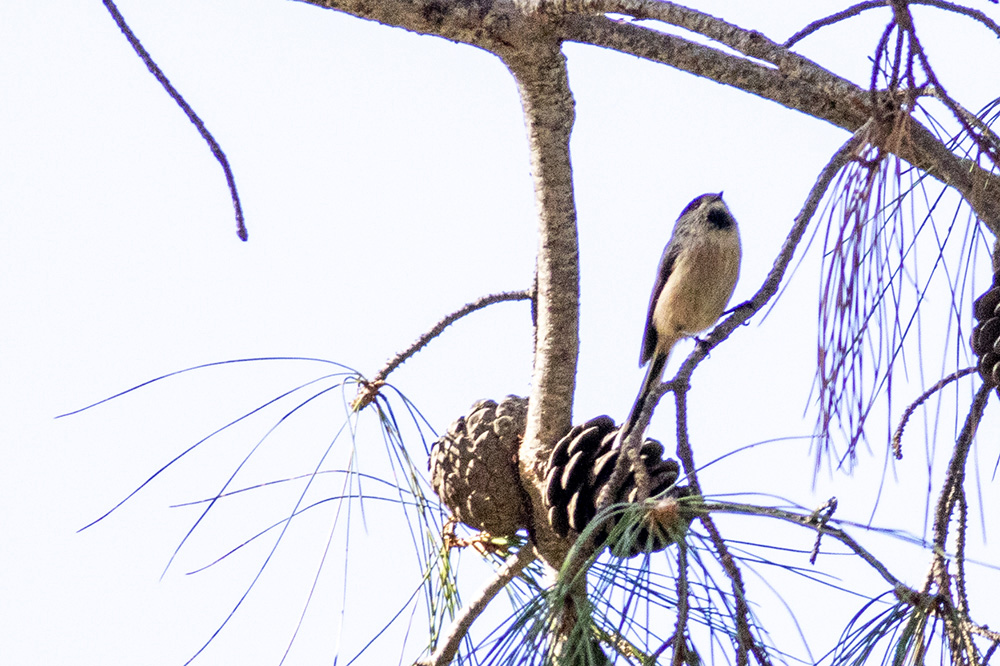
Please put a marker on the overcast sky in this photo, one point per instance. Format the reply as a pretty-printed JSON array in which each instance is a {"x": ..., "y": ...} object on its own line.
[{"x": 385, "y": 182}]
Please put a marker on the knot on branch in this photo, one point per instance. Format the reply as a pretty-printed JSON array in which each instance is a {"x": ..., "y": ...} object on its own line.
[
  {"x": 986, "y": 335},
  {"x": 474, "y": 467},
  {"x": 582, "y": 464},
  {"x": 367, "y": 392}
]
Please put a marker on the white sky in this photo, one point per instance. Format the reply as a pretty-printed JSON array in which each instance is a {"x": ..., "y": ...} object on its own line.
[{"x": 385, "y": 182}]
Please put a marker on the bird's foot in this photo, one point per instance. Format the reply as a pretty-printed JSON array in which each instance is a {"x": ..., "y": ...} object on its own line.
[{"x": 702, "y": 345}]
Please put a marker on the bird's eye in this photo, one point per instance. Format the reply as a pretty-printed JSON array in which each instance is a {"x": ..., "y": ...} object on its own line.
[{"x": 719, "y": 218}]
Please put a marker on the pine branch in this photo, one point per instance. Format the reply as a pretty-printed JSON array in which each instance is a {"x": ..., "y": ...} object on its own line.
[{"x": 447, "y": 650}]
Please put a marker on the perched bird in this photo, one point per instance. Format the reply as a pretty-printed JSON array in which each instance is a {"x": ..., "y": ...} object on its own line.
[{"x": 694, "y": 282}]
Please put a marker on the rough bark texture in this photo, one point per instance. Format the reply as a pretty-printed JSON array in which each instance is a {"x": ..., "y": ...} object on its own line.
[
  {"x": 803, "y": 86},
  {"x": 509, "y": 28},
  {"x": 544, "y": 87}
]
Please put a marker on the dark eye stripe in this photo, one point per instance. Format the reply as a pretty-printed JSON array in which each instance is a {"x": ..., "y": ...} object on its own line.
[{"x": 720, "y": 218}]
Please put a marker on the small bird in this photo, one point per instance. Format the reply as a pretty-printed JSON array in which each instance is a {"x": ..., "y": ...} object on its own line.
[{"x": 694, "y": 282}]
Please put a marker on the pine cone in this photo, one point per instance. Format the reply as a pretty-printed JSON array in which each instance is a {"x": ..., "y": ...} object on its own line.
[
  {"x": 582, "y": 463},
  {"x": 474, "y": 470},
  {"x": 986, "y": 334},
  {"x": 474, "y": 466}
]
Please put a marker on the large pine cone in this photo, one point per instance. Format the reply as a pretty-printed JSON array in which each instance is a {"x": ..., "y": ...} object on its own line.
[
  {"x": 582, "y": 463},
  {"x": 474, "y": 466},
  {"x": 986, "y": 334}
]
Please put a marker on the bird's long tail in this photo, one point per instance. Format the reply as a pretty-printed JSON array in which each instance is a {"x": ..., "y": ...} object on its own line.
[{"x": 654, "y": 372}]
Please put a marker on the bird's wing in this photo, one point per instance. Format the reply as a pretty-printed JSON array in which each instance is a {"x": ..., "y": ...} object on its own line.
[{"x": 649, "y": 336}]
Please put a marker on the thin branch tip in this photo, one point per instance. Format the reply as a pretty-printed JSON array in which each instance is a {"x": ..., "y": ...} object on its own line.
[
  {"x": 213, "y": 145},
  {"x": 437, "y": 329},
  {"x": 897, "y": 437}
]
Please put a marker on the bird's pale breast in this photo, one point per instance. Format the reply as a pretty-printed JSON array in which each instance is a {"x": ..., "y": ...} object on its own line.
[{"x": 700, "y": 285}]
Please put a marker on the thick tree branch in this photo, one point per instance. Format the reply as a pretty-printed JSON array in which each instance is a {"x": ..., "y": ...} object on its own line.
[
  {"x": 548, "y": 110},
  {"x": 497, "y": 26},
  {"x": 508, "y": 28},
  {"x": 809, "y": 89},
  {"x": 819, "y": 93},
  {"x": 531, "y": 50},
  {"x": 749, "y": 42}
]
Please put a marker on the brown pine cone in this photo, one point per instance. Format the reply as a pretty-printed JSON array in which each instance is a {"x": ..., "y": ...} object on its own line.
[
  {"x": 582, "y": 463},
  {"x": 986, "y": 335},
  {"x": 474, "y": 466}
]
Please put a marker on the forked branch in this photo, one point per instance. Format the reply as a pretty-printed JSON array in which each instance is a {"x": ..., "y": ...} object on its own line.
[
  {"x": 548, "y": 108},
  {"x": 857, "y": 9}
]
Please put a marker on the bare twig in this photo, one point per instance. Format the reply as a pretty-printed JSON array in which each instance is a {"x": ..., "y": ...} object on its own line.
[
  {"x": 905, "y": 19},
  {"x": 439, "y": 327},
  {"x": 960, "y": 587},
  {"x": 960, "y": 9},
  {"x": 629, "y": 444},
  {"x": 821, "y": 517},
  {"x": 851, "y": 11},
  {"x": 986, "y": 133},
  {"x": 241, "y": 229},
  {"x": 880, "y": 48},
  {"x": 463, "y": 622},
  {"x": 680, "y": 628},
  {"x": 854, "y": 10},
  {"x": 368, "y": 389},
  {"x": 986, "y": 632},
  {"x": 897, "y": 437},
  {"x": 681, "y": 384},
  {"x": 955, "y": 477},
  {"x": 808, "y": 520},
  {"x": 653, "y": 656},
  {"x": 744, "y": 638}
]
